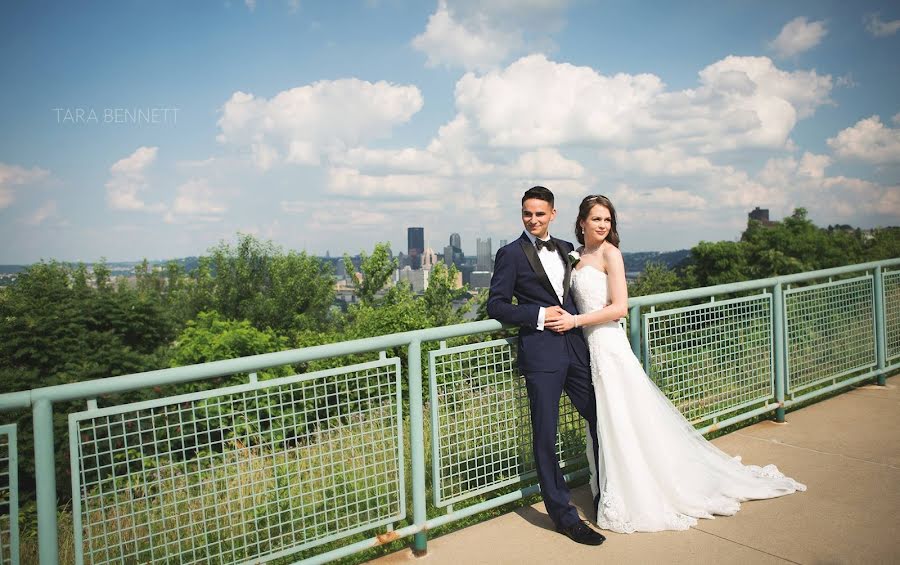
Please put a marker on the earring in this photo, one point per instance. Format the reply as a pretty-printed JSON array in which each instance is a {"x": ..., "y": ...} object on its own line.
[{"x": 582, "y": 231}]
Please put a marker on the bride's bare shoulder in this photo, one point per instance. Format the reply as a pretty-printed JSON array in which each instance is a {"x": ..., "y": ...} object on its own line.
[{"x": 611, "y": 252}]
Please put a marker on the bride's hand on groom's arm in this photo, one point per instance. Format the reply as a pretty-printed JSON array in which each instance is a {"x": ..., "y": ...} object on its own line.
[{"x": 558, "y": 320}]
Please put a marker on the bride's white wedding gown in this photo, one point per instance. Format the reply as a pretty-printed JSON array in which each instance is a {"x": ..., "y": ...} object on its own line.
[{"x": 656, "y": 472}]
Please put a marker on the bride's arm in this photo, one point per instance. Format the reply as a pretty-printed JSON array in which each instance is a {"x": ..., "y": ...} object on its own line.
[{"x": 617, "y": 289}]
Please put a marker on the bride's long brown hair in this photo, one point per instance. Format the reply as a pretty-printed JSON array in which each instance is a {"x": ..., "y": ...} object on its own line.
[{"x": 584, "y": 211}]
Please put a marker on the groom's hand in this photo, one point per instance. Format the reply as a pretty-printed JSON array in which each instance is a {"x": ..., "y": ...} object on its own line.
[
  {"x": 558, "y": 320},
  {"x": 553, "y": 313}
]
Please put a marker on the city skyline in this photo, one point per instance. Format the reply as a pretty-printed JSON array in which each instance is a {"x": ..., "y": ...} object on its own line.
[{"x": 332, "y": 126}]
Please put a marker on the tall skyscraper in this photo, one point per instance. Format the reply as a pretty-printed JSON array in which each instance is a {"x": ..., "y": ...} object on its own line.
[
  {"x": 448, "y": 255},
  {"x": 453, "y": 254},
  {"x": 503, "y": 243},
  {"x": 483, "y": 255},
  {"x": 416, "y": 246}
]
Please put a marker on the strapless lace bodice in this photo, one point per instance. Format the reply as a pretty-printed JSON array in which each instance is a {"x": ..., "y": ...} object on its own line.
[{"x": 589, "y": 289}]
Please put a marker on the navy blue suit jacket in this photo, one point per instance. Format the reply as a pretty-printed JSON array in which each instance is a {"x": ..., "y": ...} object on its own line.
[{"x": 518, "y": 272}]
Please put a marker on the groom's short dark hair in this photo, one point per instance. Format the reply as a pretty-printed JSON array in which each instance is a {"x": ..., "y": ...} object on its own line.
[{"x": 539, "y": 192}]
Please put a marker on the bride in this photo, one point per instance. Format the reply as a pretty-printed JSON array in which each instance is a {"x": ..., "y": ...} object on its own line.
[{"x": 654, "y": 470}]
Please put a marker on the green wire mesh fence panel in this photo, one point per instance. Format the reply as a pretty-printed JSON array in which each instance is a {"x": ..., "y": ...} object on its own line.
[
  {"x": 481, "y": 422},
  {"x": 712, "y": 359},
  {"x": 891, "y": 301},
  {"x": 9, "y": 503},
  {"x": 830, "y": 329},
  {"x": 250, "y": 472}
]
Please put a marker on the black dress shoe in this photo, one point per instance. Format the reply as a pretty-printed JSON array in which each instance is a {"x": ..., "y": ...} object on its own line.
[{"x": 580, "y": 533}]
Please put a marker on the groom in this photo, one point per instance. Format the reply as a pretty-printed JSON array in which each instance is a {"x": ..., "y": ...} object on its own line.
[{"x": 535, "y": 271}]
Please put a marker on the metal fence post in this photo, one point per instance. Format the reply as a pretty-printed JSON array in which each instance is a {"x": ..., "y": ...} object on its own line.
[
  {"x": 778, "y": 314},
  {"x": 880, "y": 336},
  {"x": 417, "y": 444},
  {"x": 45, "y": 477},
  {"x": 634, "y": 332}
]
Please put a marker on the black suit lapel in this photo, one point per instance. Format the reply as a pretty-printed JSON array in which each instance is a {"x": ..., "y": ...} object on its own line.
[{"x": 531, "y": 254}]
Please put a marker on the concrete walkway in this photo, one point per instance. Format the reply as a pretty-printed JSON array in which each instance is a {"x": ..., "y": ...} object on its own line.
[{"x": 847, "y": 451}]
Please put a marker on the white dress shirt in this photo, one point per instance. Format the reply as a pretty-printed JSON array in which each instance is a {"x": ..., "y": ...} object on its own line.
[{"x": 556, "y": 272}]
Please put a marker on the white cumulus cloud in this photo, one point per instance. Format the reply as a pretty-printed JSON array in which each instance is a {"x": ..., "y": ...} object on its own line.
[
  {"x": 545, "y": 163},
  {"x": 195, "y": 200},
  {"x": 797, "y": 36},
  {"x": 740, "y": 102},
  {"x": 475, "y": 35},
  {"x": 661, "y": 197},
  {"x": 830, "y": 199},
  {"x": 302, "y": 124},
  {"x": 128, "y": 177},
  {"x": 14, "y": 175},
  {"x": 868, "y": 140},
  {"x": 879, "y": 28},
  {"x": 661, "y": 161},
  {"x": 408, "y": 160},
  {"x": 49, "y": 210},
  {"x": 536, "y": 102},
  {"x": 448, "y": 42},
  {"x": 350, "y": 182}
]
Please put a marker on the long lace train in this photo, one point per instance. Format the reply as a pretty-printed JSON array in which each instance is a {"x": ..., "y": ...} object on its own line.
[{"x": 654, "y": 470}]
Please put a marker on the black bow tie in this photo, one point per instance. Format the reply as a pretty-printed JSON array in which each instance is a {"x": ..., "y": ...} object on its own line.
[{"x": 548, "y": 245}]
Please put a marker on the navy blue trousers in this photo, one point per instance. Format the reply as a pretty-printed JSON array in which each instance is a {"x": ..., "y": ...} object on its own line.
[{"x": 544, "y": 392}]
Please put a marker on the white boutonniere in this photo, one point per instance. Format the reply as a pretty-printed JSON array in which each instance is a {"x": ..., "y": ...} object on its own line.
[{"x": 574, "y": 258}]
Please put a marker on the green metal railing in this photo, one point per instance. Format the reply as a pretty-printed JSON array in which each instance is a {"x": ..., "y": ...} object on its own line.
[
  {"x": 261, "y": 486},
  {"x": 891, "y": 302},
  {"x": 280, "y": 467},
  {"x": 480, "y": 422},
  {"x": 9, "y": 496}
]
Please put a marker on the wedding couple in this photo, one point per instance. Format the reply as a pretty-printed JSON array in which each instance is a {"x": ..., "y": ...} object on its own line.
[{"x": 650, "y": 469}]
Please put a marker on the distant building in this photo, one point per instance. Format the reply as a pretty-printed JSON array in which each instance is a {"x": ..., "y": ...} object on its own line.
[
  {"x": 503, "y": 243},
  {"x": 417, "y": 278},
  {"x": 429, "y": 259},
  {"x": 415, "y": 246},
  {"x": 761, "y": 215},
  {"x": 448, "y": 255},
  {"x": 483, "y": 255},
  {"x": 467, "y": 268},
  {"x": 480, "y": 279},
  {"x": 453, "y": 254},
  {"x": 345, "y": 291}
]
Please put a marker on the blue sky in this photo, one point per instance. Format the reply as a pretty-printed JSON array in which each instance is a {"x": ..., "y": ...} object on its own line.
[{"x": 139, "y": 129}]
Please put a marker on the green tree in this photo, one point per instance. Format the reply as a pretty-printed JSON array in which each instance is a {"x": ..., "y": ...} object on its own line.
[
  {"x": 258, "y": 282},
  {"x": 375, "y": 272},
  {"x": 57, "y": 329},
  {"x": 717, "y": 263},
  {"x": 881, "y": 243},
  {"x": 440, "y": 297},
  {"x": 795, "y": 245},
  {"x": 211, "y": 337},
  {"x": 655, "y": 279}
]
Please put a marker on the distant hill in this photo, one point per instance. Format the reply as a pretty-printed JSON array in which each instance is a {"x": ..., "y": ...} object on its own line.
[
  {"x": 10, "y": 269},
  {"x": 634, "y": 264},
  {"x": 637, "y": 262},
  {"x": 116, "y": 268}
]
